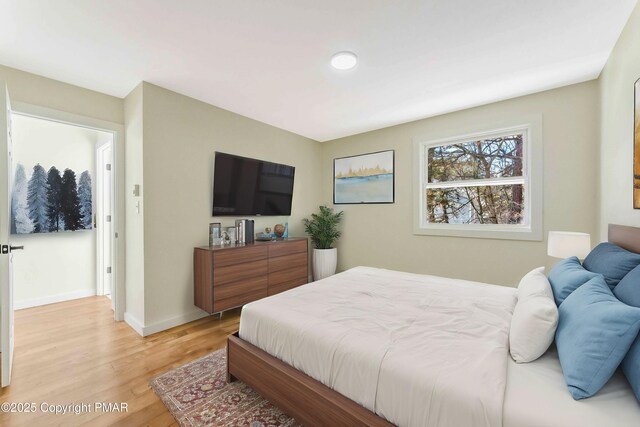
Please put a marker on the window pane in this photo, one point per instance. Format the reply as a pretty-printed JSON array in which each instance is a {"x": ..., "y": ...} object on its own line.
[
  {"x": 494, "y": 204},
  {"x": 487, "y": 158}
]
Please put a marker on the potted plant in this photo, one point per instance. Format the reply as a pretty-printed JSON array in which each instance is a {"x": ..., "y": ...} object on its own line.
[{"x": 323, "y": 230}]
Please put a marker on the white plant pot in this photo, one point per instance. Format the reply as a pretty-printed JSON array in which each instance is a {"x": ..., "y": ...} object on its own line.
[{"x": 324, "y": 263}]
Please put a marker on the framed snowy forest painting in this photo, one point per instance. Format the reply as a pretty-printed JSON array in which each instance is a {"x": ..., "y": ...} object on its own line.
[{"x": 50, "y": 201}]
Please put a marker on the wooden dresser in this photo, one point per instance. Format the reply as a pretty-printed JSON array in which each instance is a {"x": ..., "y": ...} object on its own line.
[{"x": 229, "y": 276}]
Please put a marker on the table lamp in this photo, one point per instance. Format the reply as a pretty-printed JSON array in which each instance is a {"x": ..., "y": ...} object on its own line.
[{"x": 565, "y": 244}]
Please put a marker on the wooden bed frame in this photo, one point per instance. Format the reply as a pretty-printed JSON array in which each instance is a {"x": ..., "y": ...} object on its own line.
[
  {"x": 311, "y": 402},
  {"x": 305, "y": 399},
  {"x": 624, "y": 236}
]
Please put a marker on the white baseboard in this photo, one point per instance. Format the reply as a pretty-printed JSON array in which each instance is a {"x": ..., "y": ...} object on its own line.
[
  {"x": 135, "y": 324},
  {"x": 163, "y": 325},
  {"x": 52, "y": 299},
  {"x": 173, "y": 322}
]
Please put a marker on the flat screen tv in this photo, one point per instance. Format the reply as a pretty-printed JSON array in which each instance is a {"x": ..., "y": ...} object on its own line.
[{"x": 247, "y": 187}]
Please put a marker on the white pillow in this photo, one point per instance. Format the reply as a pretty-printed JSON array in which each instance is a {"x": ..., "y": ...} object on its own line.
[
  {"x": 535, "y": 318},
  {"x": 534, "y": 282}
]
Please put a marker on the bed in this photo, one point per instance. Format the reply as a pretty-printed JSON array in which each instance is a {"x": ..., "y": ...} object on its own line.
[{"x": 339, "y": 352}]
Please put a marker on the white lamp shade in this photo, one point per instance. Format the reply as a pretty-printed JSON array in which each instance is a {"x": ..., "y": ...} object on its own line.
[{"x": 565, "y": 244}]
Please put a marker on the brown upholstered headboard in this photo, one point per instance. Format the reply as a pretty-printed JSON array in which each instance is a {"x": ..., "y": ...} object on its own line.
[{"x": 625, "y": 236}]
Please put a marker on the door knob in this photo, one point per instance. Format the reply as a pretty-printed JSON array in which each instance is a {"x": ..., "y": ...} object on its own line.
[{"x": 5, "y": 249}]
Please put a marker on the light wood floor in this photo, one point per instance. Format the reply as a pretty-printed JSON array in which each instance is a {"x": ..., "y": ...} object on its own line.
[{"x": 74, "y": 352}]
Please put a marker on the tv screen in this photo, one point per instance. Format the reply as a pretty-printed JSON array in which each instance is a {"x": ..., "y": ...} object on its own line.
[{"x": 243, "y": 187}]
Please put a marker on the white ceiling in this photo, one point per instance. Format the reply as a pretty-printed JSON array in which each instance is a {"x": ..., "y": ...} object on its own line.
[{"x": 269, "y": 60}]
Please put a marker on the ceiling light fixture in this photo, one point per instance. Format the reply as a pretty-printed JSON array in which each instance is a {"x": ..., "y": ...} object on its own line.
[{"x": 344, "y": 60}]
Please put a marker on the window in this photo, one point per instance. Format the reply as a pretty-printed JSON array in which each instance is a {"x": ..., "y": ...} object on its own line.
[{"x": 480, "y": 185}]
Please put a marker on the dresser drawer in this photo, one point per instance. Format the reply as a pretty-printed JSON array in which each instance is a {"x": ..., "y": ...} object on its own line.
[
  {"x": 287, "y": 247},
  {"x": 286, "y": 285},
  {"x": 287, "y": 275},
  {"x": 238, "y": 300},
  {"x": 287, "y": 261},
  {"x": 239, "y": 272},
  {"x": 239, "y": 256},
  {"x": 235, "y": 289}
]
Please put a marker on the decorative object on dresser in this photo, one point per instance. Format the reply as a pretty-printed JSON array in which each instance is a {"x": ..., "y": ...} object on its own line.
[
  {"x": 231, "y": 232},
  {"x": 244, "y": 231},
  {"x": 232, "y": 275},
  {"x": 278, "y": 230},
  {"x": 214, "y": 234},
  {"x": 266, "y": 236},
  {"x": 323, "y": 229}
]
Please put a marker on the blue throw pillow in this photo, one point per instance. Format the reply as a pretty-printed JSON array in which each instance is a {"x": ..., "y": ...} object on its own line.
[
  {"x": 594, "y": 334},
  {"x": 631, "y": 367},
  {"x": 567, "y": 276},
  {"x": 628, "y": 290},
  {"x": 611, "y": 261}
]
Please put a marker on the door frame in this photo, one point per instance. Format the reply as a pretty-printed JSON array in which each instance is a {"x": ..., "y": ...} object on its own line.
[
  {"x": 98, "y": 218},
  {"x": 117, "y": 130}
]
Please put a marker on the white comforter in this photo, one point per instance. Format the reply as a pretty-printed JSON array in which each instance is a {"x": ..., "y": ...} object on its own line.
[{"x": 417, "y": 350}]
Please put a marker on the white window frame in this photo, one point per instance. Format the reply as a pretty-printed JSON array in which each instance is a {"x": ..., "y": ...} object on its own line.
[{"x": 532, "y": 180}]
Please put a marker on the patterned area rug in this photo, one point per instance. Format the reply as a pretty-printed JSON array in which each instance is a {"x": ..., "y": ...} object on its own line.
[{"x": 197, "y": 394}]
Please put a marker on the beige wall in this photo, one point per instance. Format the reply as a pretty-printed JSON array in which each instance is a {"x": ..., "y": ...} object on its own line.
[
  {"x": 180, "y": 138},
  {"x": 382, "y": 236},
  {"x": 176, "y": 136},
  {"x": 616, "y": 150},
  {"x": 44, "y": 92},
  {"x": 134, "y": 220}
]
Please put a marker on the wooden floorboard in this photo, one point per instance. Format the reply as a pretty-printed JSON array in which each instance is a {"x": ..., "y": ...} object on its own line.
[{"x": 74, "y": 352}]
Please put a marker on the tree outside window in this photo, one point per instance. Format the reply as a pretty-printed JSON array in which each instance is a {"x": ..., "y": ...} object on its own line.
[{"x": 479, "y": 181}]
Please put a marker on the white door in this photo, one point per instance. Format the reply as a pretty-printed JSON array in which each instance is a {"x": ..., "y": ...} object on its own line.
[
  {"x": 6, "y": 271},
  {"x": 104, "y": 220},
  {"x": 107, "y": 218}
]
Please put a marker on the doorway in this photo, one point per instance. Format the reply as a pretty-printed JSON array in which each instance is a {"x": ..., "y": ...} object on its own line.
[
  {"x": 101, "y": 220},
  {"x": 44, "y": 210}
]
